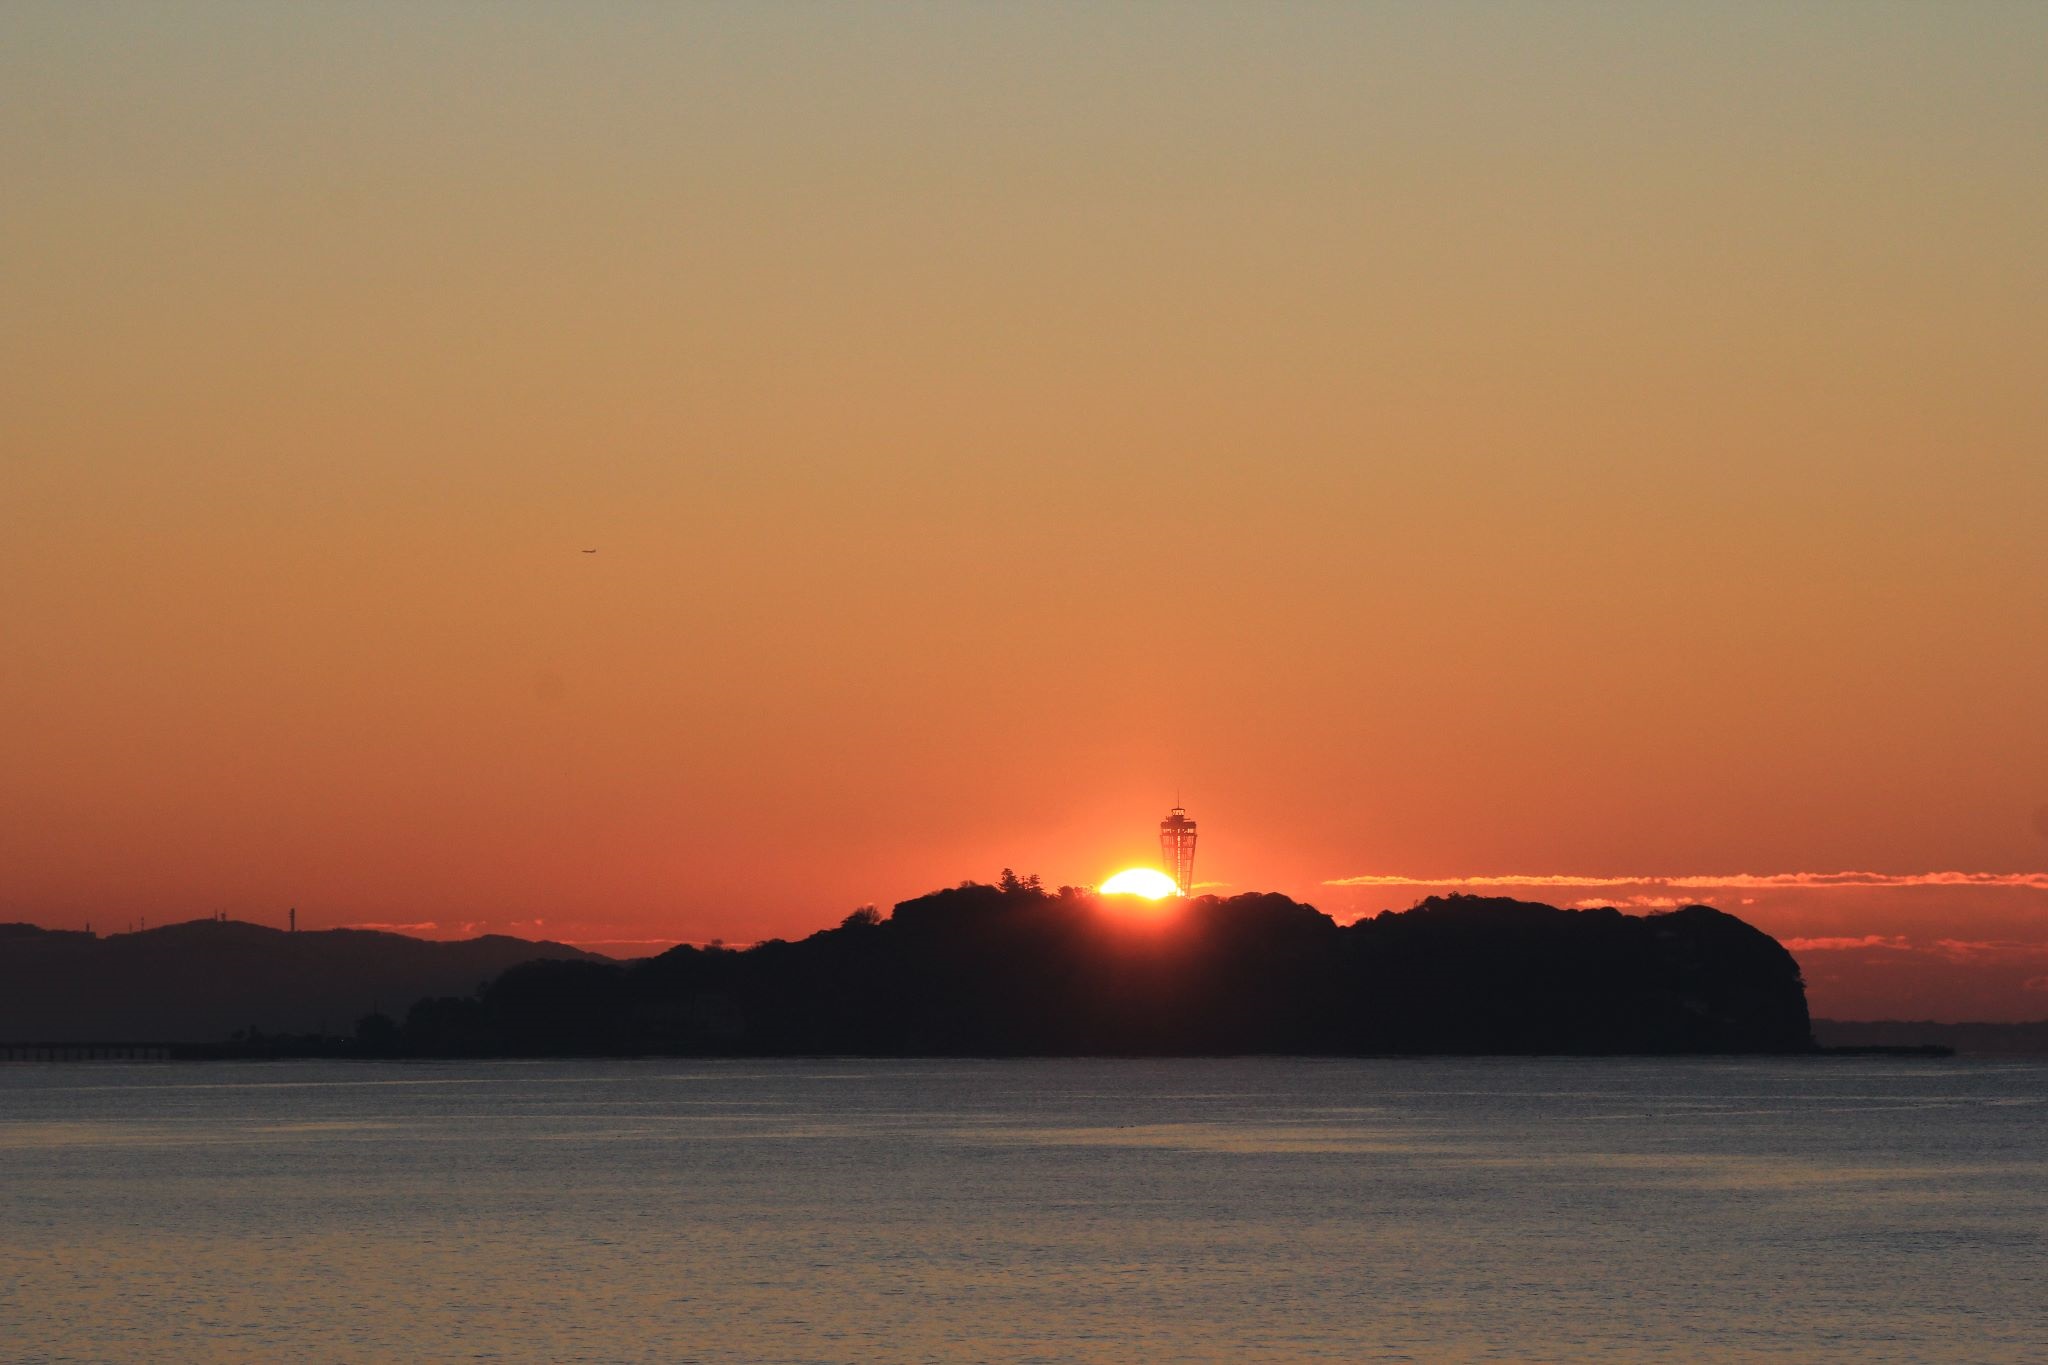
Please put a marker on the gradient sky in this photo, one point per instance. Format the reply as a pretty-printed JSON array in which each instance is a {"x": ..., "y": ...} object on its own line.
[{"x": 1443, "y": 441}]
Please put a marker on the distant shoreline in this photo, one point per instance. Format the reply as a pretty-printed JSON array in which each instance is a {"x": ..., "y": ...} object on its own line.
[
  {"x": 1978, "y": 1039},
  {"x": 345, "y": 1050}
]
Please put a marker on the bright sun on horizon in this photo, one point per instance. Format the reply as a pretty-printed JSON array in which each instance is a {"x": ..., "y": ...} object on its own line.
[{"x": 1150, "y": 883}]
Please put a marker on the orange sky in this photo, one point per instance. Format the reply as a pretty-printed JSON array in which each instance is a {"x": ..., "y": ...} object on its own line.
[{"x": 1446, "y": 441}]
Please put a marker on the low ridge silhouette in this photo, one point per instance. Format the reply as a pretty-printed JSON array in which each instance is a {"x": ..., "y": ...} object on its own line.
[{"x": 202, "y": 980}]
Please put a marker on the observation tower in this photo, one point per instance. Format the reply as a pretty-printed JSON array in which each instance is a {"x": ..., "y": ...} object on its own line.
[{"x": 1177, "y": 849}]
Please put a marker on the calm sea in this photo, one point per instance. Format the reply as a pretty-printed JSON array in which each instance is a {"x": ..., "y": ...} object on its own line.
[{"x": 1056, "y": 1210}]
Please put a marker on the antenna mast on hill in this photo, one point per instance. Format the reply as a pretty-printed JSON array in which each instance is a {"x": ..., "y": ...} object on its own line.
[{"x": 1177, "y": 847}]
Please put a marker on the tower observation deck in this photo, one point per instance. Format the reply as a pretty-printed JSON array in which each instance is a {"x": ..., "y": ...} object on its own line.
[{"x": 1177, "y": 849}]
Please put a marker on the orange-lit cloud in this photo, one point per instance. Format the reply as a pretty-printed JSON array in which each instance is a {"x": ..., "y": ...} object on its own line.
[
  {"x": 1748, "y": 881},
  {"x": 1633, "y": 902},
  {"x": 1897, "y": 942}
]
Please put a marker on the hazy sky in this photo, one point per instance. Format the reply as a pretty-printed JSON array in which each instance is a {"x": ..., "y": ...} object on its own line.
[{"x": 1444, "y": 441}]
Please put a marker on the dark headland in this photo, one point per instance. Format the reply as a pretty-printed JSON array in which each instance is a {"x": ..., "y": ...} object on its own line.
[{"x": 981, "y": 970}]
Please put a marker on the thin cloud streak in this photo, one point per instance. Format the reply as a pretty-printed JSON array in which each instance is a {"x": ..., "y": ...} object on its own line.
[
  {"x": 2002, "y": 952},
  {"x": 427, "y": 928},
  {"x": 1636, "y": 902},
  {"x": 1742, "y": 881},
  {"x": 1895, "y": 942},
  {"x": 1990, "y": 950}
]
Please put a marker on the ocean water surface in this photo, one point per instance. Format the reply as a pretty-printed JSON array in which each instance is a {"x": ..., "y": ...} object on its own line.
[{"x": 1047, "y": 1210}]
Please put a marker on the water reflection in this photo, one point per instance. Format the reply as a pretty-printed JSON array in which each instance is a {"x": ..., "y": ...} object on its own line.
[{"x": 1057, "y": 1210}]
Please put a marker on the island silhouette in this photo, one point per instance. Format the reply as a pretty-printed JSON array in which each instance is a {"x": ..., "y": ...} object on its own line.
[{"x": 1013, "y": 969}]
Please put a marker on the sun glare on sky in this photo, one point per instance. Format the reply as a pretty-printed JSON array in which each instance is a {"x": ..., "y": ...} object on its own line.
[{"x": 1148, "y": 882}]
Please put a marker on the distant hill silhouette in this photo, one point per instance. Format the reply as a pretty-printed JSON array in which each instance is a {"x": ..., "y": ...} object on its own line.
[
  {"x": 201, "y": 981},
  {"x": 1982, "y": 1040},
  {"x": 986, "y": 971}
]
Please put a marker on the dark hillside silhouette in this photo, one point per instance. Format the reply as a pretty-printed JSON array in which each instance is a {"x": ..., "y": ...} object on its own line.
[
  {"x": 203, "y": 980},
  {"x": 1014, "y": 970}
]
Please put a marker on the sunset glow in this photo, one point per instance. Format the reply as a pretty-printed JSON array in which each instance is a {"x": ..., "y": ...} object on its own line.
[
  {"x": 507, "y": 506},
  {"x": 1222, "y": 679},
  {"x": 1147, "y": 882}
]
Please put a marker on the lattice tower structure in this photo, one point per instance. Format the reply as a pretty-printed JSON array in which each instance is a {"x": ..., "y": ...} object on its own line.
[{"x": 1177, "y": 849}]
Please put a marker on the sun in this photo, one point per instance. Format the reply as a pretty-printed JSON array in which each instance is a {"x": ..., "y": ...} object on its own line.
[{"x": 1150, "y": 883}]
